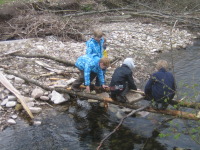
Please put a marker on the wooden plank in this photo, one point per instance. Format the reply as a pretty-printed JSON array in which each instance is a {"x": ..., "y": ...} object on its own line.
[{"x": 21, "y": 98}]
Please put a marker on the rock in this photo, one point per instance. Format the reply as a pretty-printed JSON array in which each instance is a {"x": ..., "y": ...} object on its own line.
[
  {"x": 57, "y": 98},
  {"x": 12, "y": 98},
  {"x": 2, "y": 96},
  {"x": 119, "y": 115},
  {"x": 143, "y": 113},
  {"x": 19, "y": 80},
  {"x": 37, "y": 122},
  {"x": 37, "y": 92},
  {"x": 11, "y": 121},
  {"x": 44, "y": 98},
  {"x": 30, "y": 104},
  {"x": 10, "y": 77},
  {"x": 6, "y": 91},
  {"x": 14, "y": 116},
  {"x": 4, "y": 102},
  {"x": 11, "y": 104},
  {"x": 1, "y": 89},
  {"x": 35, "y": 110}
]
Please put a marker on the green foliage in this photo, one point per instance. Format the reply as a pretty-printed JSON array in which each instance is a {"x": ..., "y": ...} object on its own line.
[
  {"x": 176, "y": 136},
  {"x": 87, "y": 7},
  {"x": 5, "y": 1},
  {"x": 162, "y": 135}
]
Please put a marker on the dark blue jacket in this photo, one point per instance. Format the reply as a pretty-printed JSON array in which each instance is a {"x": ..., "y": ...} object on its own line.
[{"x": 160, "y": 86}]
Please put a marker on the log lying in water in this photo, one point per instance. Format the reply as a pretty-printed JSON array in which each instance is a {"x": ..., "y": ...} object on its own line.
[
  {"x": 180, "y": 102},
  {"x": 177, "y": 113}
]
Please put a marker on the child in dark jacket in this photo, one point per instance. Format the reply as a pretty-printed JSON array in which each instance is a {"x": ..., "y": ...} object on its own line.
[
  {"x": 160, "y": 88},
  {"x": 122, "y": 80}
]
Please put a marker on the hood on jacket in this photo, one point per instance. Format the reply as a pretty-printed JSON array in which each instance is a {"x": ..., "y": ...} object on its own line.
[{"x": 130, "y": 63}]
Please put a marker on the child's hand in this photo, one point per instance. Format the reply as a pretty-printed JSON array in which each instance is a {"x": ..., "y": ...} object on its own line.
[
  {"x": 104, "y": 86},
  {"x": 88, "y": 89}
]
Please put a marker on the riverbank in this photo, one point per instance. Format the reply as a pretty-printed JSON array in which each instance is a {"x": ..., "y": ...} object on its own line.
[{"x": 143, "y": 42}]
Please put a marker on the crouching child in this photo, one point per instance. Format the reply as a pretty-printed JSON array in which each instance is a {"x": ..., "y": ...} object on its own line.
[
  {"x": 90, "y": 67},
  {"x": 122, "y": 81},
  {"x": 160, "y": 88}
]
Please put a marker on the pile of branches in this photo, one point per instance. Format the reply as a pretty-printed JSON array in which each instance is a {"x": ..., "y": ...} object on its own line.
[
  {"x": 32, "y": 21},
  {"x": 41, "y": 19}
]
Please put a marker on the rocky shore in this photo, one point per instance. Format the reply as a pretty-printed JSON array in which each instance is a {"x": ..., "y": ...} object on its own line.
[{"x": 143, "y": 42}]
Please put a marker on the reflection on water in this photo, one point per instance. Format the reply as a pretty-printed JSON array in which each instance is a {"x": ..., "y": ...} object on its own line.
[
  {"x": 84, "y": 125},
  {"x": 186, "y": 69}
]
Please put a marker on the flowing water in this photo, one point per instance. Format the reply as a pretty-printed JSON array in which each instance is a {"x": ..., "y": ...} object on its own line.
[{"x": 84, "y": 125}]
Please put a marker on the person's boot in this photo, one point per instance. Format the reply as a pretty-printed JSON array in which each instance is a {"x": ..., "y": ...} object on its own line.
[{"x": 121, "y": 99}]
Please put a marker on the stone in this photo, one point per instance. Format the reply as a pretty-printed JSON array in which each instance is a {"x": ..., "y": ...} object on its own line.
[
  {"x": 37, "y": 92},
  {"x": 4, "y": 102},
  {"x": 19, "y": 80},
  {"x": 44, "y": 98},
  {"x": 37, "y": 122},
  {"x": 30, "y": 104},
  {"x": 14, "y": 116},
  {"x": 11, "y": 104},
  {"x": 11, "y": 121},
  {"x": 10, "y": 77},
  {"x": 57, "y": 98},
  {"x": 35, "y": 110},
  {"x": 2, "y": 96},
  {"x": 12, "y": 98}
]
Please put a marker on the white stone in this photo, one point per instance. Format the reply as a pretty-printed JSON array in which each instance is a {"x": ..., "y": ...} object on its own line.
[
  {"x": 30, "y": 104},
  {"x": 44, "y": 98},
  {"x": 143, "y": 113},
  {"x": 11, "y": 121},
  {"x": 35, "y": 110},
  {"x": 14, "y": 116},
  {"x": 11, "y": 103},
  {"x": 37, "y": 92},
  {"x": 37, "y": 122},
  {"x": 12, "y": 98},
  {"x": 19, "y": 80},
  {"x": 57, "y": 98},
  {"x": 4, "y": 102},
  {"x": 10, "y": 77}
]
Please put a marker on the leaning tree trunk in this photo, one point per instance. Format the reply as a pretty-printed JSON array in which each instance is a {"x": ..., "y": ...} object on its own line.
[{"x": 184, "y": 115}]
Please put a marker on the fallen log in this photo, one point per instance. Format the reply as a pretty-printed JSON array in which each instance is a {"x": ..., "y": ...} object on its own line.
[
  {"x": 179, "y": 102},
  {"x": 65, "y": 62},
  {"x": 180, "y": 114}
]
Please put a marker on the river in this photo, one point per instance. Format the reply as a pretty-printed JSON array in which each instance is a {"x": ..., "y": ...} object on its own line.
[{"x": 83, "y": 125}]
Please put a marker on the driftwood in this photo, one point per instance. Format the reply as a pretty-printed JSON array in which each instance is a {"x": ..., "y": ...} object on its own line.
[
  {"x": 9, "y": 53},
  {"x": 186, "y": 19},
  {"x": 179, "y": 102},
  {"x": 21, "y": 98},
  {"x": 65, "y": 62},
  {"x": 116, "y": 128},
  {"x": 184, "y": 115}
]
